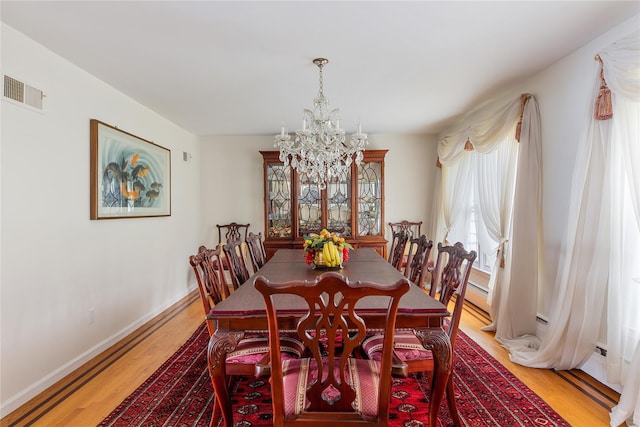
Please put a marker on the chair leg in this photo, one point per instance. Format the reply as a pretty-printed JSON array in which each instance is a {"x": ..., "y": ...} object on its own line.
[
  {"x": 216, "y": 415},
  {"x": 451, "y": 400},
  {"x": 221, "y": 389}
]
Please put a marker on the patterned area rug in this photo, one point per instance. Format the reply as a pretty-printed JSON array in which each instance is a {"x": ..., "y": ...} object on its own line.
[{"x": 179, "y": 393}]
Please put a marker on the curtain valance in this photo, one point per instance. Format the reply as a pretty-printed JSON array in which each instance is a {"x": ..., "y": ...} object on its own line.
[{"x": 485, "y": 135}]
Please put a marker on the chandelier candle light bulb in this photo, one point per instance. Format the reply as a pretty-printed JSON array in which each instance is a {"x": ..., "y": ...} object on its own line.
[{"x": 320, "y": 150}]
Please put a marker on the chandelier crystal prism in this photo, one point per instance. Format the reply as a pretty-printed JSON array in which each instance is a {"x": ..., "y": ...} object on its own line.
[{"x": 319, "y": 150}]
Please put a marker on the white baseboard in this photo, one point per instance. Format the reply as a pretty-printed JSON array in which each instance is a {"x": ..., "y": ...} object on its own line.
[{"x": 595, "y": 367}]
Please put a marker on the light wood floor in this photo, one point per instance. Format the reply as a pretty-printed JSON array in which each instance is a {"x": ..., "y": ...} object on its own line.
[{"x": 86, "y": 397}]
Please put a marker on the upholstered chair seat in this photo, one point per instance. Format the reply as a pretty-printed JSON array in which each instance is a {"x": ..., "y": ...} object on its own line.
[
  {"x": 300, "y": 373},
  {"x": 407, "y": 347},
  {"x": 253, "y": 348}
]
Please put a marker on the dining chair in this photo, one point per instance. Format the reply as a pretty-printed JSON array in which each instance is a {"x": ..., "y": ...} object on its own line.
[
  {"x": 234, "y": 255},
  {"x": 227, "y": 233},
  {"x": 232, "y": 232},
  {"x": 418, "y": 263},
  {"x": 450, "y": 276},
  {"x": 251, "y": 356},
  {"x": 413, "y": 228},
  {"x": 211, "y": 284},
  {"x": 410, "y": 227},
  {"x": 257, "y": 253},
  {"x": 330, "y": 387},
  {"x": 398, "y": 248}
]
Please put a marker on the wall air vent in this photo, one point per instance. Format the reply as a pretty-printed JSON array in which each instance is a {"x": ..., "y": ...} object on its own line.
[{"x": 22, "y": 93}]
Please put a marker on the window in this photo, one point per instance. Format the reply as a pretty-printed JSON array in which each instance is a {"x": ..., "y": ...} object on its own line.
[{"x": 485, "y": 260}]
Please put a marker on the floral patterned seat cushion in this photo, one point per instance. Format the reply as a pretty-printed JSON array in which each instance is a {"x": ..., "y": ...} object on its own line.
[
  {"x": 406, "y": 345},
  {"x": 252, "y": 348},
  {"x": 362, "y": 374}
]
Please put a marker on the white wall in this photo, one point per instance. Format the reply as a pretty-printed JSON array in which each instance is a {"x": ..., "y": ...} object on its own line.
[
  {"x": 409, "y": 176},
  {"x": 56, "y": 263},
  {"x": 410, "y": 171}
]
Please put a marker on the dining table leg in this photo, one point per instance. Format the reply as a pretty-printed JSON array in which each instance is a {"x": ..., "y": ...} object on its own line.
[
  {"x": 221, "y": 343},
  {"x": 437, "y": 340}
]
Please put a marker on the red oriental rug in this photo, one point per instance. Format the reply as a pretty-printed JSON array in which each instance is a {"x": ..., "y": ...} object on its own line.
[{"x": 179, "y": 393}]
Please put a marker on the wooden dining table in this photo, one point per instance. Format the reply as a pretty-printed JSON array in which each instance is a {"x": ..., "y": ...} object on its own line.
[{"x": 245, "y": 311}]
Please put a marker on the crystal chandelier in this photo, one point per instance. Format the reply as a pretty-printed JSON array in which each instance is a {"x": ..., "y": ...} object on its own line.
[{"x": 319, "y": 150}]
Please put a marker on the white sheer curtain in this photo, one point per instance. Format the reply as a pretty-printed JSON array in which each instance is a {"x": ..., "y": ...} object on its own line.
[
  {"x": 494, "y": 192},
  {"x": 490, "y": 171},
  {"x": 621, "y": 65},
  {"x": 456, "y": 181},
  {"x": 602, "y": 263}
]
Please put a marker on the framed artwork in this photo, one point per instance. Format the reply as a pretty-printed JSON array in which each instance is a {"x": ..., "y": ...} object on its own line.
[{"x": 130, "y": 176}]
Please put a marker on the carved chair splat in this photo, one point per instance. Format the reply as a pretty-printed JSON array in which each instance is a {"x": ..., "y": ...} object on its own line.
[
  {"x": 257, "y": 253},
  {"x": 234, "y": 255},
  {"x": 398, "y": 247}
]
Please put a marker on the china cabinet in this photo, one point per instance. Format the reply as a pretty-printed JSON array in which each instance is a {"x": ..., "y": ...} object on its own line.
[{"x": 352, "y": 204}]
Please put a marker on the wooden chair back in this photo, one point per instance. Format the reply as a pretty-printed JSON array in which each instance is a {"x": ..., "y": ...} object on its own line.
[
  {"x": 413, "y": 228},
  {"x": 450, "y": 276},
  {"x": 232, "y": 232},
  {"x": 331, "y": 320},
  {"x": 418, "y": 262},
  {"x": 234, "y": 255},
  {"x": 256, "y": 250},
  {"x": 211, "y": 282},
  {"x": 398, "y": 247}
]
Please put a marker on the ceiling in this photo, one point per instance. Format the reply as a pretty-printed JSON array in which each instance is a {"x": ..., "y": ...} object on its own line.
[{"x": 244, "y": 67}]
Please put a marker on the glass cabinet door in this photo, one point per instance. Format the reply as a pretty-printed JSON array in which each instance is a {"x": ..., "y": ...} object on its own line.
[
  {"x": 370, "y": 199},
  {"x": 279, "y": 219},
  {"x": 309, "y": 207},
  {"x": 339, "y": 205},
  {"x": 351, "y": 204}
]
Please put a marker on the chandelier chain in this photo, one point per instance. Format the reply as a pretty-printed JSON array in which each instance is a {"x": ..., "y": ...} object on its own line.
[{"x": 321, "y": 90}]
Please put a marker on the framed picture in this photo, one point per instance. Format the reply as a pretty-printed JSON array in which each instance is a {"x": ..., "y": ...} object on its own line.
[{"x": 130, "y": 176}]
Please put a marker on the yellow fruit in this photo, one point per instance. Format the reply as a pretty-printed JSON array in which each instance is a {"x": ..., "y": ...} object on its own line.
[
  {"x": 336, "y": 255},
  {"x": 331, "y": 250},
  {"x": 326, "y": 254}
]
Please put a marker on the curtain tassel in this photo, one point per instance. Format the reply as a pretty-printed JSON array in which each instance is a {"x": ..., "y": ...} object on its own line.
[
  {"x": 501, "y": 253},
  {"x": 523, "y": 101},
  {"x": 438, "y": 164},
  {"x": 468, "y": 146},
  {"x": 604, "y": 106}
]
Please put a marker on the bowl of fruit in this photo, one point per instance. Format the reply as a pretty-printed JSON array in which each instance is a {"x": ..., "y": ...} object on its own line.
[{"x": 326, "y": 251}]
